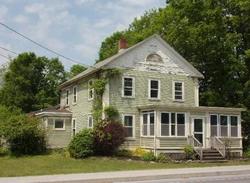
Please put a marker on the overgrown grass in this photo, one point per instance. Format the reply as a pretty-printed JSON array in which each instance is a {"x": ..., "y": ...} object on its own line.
[{"x": 58, "y": 163}]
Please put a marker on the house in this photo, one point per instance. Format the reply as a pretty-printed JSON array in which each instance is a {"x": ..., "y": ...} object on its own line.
[{"x": 157, "y": 96}]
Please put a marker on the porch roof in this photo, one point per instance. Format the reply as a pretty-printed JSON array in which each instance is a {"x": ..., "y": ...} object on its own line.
[
  {"x": 52, "y": 111},
  {"x": 192, "y": 108}
]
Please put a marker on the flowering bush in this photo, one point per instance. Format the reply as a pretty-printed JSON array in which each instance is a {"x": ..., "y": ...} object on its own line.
[{"x": 108, "y": 136}]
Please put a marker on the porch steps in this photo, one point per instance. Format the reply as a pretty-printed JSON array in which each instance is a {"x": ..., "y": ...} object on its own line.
[{"x": 212, "y": 155}]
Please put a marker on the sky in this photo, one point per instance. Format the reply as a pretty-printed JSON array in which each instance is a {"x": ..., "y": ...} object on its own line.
[{"x": 74, "y": 28}]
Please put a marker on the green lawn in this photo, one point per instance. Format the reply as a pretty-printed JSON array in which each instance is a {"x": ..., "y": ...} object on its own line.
[{"x": 58, "y": 164}]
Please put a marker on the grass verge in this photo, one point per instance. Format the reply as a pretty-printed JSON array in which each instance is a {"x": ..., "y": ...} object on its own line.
[{"x": 57, "y": 163}]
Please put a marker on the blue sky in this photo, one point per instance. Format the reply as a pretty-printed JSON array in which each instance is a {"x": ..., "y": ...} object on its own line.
[{"x": 74, "y": 28}]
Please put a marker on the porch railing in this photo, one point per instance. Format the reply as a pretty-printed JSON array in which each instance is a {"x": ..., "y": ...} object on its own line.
[
  {"x": 197, "y": 145},
  {"x": 217, "y": 144}
]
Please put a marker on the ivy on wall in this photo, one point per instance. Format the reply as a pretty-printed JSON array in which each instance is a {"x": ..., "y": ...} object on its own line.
[{"x": 99, "y": 89}]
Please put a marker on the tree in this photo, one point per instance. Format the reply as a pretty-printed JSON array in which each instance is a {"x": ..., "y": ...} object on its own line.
[
  {"x": 31, "y": 82},
  {"x": 76, "y": 69}
]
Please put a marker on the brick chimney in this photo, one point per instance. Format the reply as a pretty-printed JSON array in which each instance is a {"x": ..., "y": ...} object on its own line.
[{"x": 122, "y": 44}]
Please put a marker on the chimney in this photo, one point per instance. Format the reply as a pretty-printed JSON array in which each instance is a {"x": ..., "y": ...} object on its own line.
[{"x": 122, "y": 44}]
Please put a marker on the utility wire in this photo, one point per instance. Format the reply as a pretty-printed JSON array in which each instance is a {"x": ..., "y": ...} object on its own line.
[
  {"x": 40, "y": 45},
  {"x": 4, "y": 56},
  {"x": 8, "y": 50}
]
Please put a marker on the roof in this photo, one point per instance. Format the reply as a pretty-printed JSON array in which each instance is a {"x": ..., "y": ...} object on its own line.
[
  {"x": 51, "y": 111},
  {"x": 98, "y": 66},
  {"x": 193, "y": 108}
]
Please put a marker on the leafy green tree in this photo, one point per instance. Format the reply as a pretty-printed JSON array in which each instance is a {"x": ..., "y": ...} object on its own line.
[
  {"x": 31, "y": 82},
  {"x": 76, "y": 69}
]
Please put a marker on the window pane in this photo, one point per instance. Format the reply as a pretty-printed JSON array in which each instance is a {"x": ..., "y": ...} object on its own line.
[
  {"x": 152, "y": 118},
  {"x": 198, "y": 125},
  {"x": 223, "y": 120},
  {"x": 128, "y": 121},
  {"x": 234, "y": 120},
  {"x": 152, "y": 129},
  {"x": 213, "y": 119},
  {"x": 165, "y": 118},
  {"x": 59, "y": 124},
  {"x": 234, "y": 131},
  {"x": 128, "y": 82},
  {"x": 224, "y": 131},
  {"x": 153, "y": 93},
  {"x": 128, "y": 132},
  {"x": 180, "y": 119},
  {"x": 145, "y": 118},
  {"x": 172, "y": 117},
  {"x": 90, "y": 121},
  {"x": 144, "y": 129},
  {"x": 154, "y": 84},
  {"x": 214, "y": 130},
  {"x": 172, "y": 130},
  {"x": 180, "y": 130}
]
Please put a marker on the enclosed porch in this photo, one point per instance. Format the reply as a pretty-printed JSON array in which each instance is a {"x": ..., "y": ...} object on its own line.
[{"x": 170, "y": 128}]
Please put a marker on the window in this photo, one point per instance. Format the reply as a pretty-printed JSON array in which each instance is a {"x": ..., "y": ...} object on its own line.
[
  {"x": 73, "y": 127},
  {"x": 178, "y": 90},
  {"x": 128, "y": 122},
  {"x": 90, "y": 121},
  {"x": 223, "y": 126},
  {"x": 90, "y": 90},
  {"x": 172, "y": 124},
  {"x": 234, "y": 126},
  {"x": 67, "y": 97},
  {"x": 148, "y": 123},
  {"x": 74, "y": 94},
  {"x": 154, "y": 57},
  {"x": 214, "y": 125},
  {"x": 59, "y": 124},
  {"x": 154, "y": 89},
  {"x": 128, "y": 87}
]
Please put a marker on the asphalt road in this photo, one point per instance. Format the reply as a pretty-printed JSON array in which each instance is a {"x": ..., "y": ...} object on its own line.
[{"x": 244, "y": 178}]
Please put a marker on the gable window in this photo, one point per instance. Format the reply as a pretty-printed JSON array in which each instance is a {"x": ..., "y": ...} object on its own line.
[
  {"x": 73, "y": 127},
  {"x": 128, "y": 122},
  {"x": 154, "y": 57},
  {"x": 90, "y": 90},
  {"x": 148, "y": 124},
  {"x": 154, "y": 89},
  {"x": 67, "y": 97},
  {"x": 172, "y": 124},
  {"x": 178, "y": 91},
  {"x": 74, "y": 94},
  {"x": 90, "y": 121},
  {"x": 128, "y": 87},
  {"x": 59, "y": 124}
]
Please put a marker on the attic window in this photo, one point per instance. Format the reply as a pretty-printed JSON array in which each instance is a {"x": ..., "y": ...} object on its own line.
[{"x": 154, "y": 57}]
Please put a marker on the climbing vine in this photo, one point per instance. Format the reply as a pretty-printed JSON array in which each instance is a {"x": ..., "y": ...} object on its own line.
[{"x": 99, "y": 88}]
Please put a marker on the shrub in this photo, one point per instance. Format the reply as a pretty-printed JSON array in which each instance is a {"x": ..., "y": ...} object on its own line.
[
  {"x": 109, "y": 135},
  {"x": 148, "y": 156},
  {"x": 24, "y": 135},
  {"x": 189, "y": 151},
  {"x": 123, "y": 153},
  {"x": 163, "y": 158},
  {"x": 82, "y": 145},
  {"x": 139, "y": 152},
  {"x": 111, "y": 113},
  {"x": 3, "y": 151},
  {"x": 247, "y": 153}
]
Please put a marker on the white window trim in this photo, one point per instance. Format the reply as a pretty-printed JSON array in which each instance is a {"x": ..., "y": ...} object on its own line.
[
  {"x": 133, "y": 87},
  {"x": 149, "y": 89},
  {"x": 90, "y": 116},
  {"x": 148, "y": 124},
  {"x": 72, "y": 126},
  {"x": 58, "y": 129},
  {"x": 92, "y": 89},
  {"x": 133, "y": 124},
  {"x": 183, "y": 91},
  {"x": 170, "y": 127},
  {"x": 67, "y": 97},
  {"x": 74, "y": 95}
]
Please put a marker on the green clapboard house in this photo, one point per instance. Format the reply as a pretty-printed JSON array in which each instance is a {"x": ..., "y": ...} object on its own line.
[{"x": 157, "y": 96}]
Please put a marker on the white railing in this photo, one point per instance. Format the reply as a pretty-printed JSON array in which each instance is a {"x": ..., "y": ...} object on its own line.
[
  {"x": 198, "y": 147},
  {"x": 217, "y": 144}
]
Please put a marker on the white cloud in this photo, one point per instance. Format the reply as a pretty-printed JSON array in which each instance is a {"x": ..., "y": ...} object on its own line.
[
  {"x": 21, "y": 19},
  {"x": 81, "y": 2},
  {"x": 3, "y": 12}
]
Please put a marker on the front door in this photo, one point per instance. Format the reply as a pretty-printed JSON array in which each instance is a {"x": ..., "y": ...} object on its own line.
[{"x": 198, "y": 129}]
